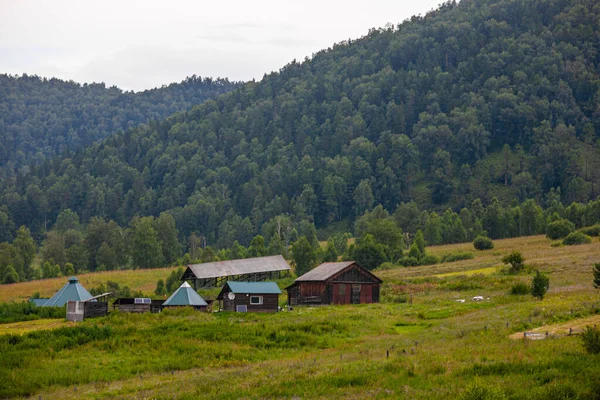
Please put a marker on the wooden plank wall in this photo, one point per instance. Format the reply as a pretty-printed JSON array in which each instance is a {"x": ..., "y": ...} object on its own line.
[{"x": 95, "y": 309}]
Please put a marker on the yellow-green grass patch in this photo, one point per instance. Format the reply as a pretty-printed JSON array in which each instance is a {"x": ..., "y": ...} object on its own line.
[{"x": 19, "y": 328}]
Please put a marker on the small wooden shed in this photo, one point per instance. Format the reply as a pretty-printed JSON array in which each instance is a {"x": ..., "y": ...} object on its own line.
[
  {"x": 96, "y": 306},
  {"x": 335, "y": 283},
  {"x": 250, "y": 296},
  {"x": 137, "y": 305}
]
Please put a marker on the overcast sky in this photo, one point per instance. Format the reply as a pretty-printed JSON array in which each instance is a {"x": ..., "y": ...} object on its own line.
[{"x": 137, "y": 45}]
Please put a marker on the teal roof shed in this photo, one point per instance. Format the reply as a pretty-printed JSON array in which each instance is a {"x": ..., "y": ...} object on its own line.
[
  {"x": 185, "y": 295},
  {"x": 72, "y": 291}
]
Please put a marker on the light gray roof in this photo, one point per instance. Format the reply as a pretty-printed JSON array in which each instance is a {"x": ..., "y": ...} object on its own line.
[
  {"x": 185, "y": 296},
  {"x": 324, "y": 271},
  {"x": 238, "y": 267},
  {"x": 71, "y": 291}
]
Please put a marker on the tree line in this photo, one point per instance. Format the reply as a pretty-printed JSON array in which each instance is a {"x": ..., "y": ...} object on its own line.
[{"x": 380, "y": 236}]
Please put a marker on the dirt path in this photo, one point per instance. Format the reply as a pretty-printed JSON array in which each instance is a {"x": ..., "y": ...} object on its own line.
[{"x": 562, "y": 328}]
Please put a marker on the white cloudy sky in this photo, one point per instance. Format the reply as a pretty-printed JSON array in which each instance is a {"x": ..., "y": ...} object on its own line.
[{"x": 140, "y": 44}]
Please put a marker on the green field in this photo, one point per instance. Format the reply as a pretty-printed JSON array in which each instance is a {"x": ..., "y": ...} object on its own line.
[{"x": 435, "y": 348}]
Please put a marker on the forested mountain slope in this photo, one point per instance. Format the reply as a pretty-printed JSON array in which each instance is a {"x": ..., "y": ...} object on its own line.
[
  {"x": 479, "y": 99},
  {"x": 41, "y": 118}
]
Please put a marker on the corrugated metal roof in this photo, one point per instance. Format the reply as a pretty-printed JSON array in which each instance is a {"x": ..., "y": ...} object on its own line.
[
  {"x": 185, "y": 296},
  {"x": 239, "y": 267},
  {"x": 254, "y": 287},
  {"x": 71, "y": 291},
  {"x": 324, "y": 271}
]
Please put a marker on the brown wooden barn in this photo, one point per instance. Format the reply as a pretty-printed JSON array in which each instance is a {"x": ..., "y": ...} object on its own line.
[
  {"x": 250, "y": 296},
  {"x": 335, "y": 283}
]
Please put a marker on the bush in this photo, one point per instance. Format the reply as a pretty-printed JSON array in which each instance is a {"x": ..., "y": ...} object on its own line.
[
  {"x": 483, "y": 243},
  {"x": 457, "y": 256},
  {"x": 519, "y": 289},
  {"x": 516, "y": 260},
  {"x": 15, "y": 312},
  {"x": 593, "y": 230},
  {"x": 386, "y": 266},
  {"x": 408, "y": 262},
  {"x": 576, "y": 238},
  {"x": 591, "y": 339},
  {"x": 430, "y": 259},
  {"x": 559, "y": 229},
  {"x": 539, "y": 285},
  {"x": 477, "y": 391}
]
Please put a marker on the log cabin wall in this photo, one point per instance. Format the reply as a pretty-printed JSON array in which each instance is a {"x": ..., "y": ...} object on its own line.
[
  {"x": 134, "y": 308},
  {"x": 95, "y": 309},
  {"x": 270, "y": 302},
  {"x": 353, "y": 285}
]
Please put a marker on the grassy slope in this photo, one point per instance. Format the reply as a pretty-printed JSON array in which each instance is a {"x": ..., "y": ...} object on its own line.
[
  {"x": 437, "y": 346},
  {"x": 142, "y": 279}
]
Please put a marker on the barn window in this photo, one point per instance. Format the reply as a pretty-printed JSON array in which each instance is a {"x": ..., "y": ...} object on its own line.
[
  {"x": 256, "y": 300},
  {"x": 342, "y": 291},
  {"x": 355, "y": 288}
]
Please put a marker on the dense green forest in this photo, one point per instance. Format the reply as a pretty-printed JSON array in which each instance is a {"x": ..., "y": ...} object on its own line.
[
  {"x": 482, "y": 105},
  {"x": 41, "y": 118}
]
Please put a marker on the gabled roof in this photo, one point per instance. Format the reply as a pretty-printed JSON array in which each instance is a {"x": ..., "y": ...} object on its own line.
[
  {"x": 328, "y": 270},
  {"x": 249, "y": 288},
  {"x": 185, "y": 296},
  {"x": 236, "y": 267},
  {"x": 72, "y": 291}
]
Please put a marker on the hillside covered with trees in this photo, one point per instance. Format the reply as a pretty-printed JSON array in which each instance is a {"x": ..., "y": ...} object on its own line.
[
  {"x": 488, "y": 106},
  {"x": 41, "y": 118}
]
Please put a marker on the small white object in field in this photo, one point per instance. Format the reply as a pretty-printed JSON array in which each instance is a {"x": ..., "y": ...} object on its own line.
[
  {"x": 461, "y": 300},
  {"x": 477, "y": 298}
]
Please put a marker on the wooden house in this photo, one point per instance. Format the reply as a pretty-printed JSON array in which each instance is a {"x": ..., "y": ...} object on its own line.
[
  {"x": 335, "y": 283},
  {"x": 137, "y": 305},
  {"x": 250, "y": 296}
]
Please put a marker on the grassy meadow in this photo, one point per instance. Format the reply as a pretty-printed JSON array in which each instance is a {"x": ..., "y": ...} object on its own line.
[
  {"x": 143, "y": 280},
  {"x": 436, "y": 347}
]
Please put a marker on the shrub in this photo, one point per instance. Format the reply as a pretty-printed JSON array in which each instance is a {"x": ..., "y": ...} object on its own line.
[
  {"x": 457, "y": 256},
  {"x": 559, "y": 229},
  {"x": 386, "y": 266},
  {"x": 539, "y": 285},
  {"x": 596, "y": 274},
  {"x": 14, "y": 312},
  {"x": 516, "y": 260},
  {"x": 408, "y": 262},
  {"x": 593, "y": 230},
  {"x": 591, "y": 339},
  {"x": 483, "y": 243},
  {"x": 477, "y": 391},
  {"x": 576, "y": 238},
  {"x": 519, "y": 289},
  {"x": 430, "y": 259}
]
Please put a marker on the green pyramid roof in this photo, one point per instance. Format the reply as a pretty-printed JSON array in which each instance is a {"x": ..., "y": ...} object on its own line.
[
  {"x": 185, "y": 296},
  {"x": 72, "y": 291}
]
